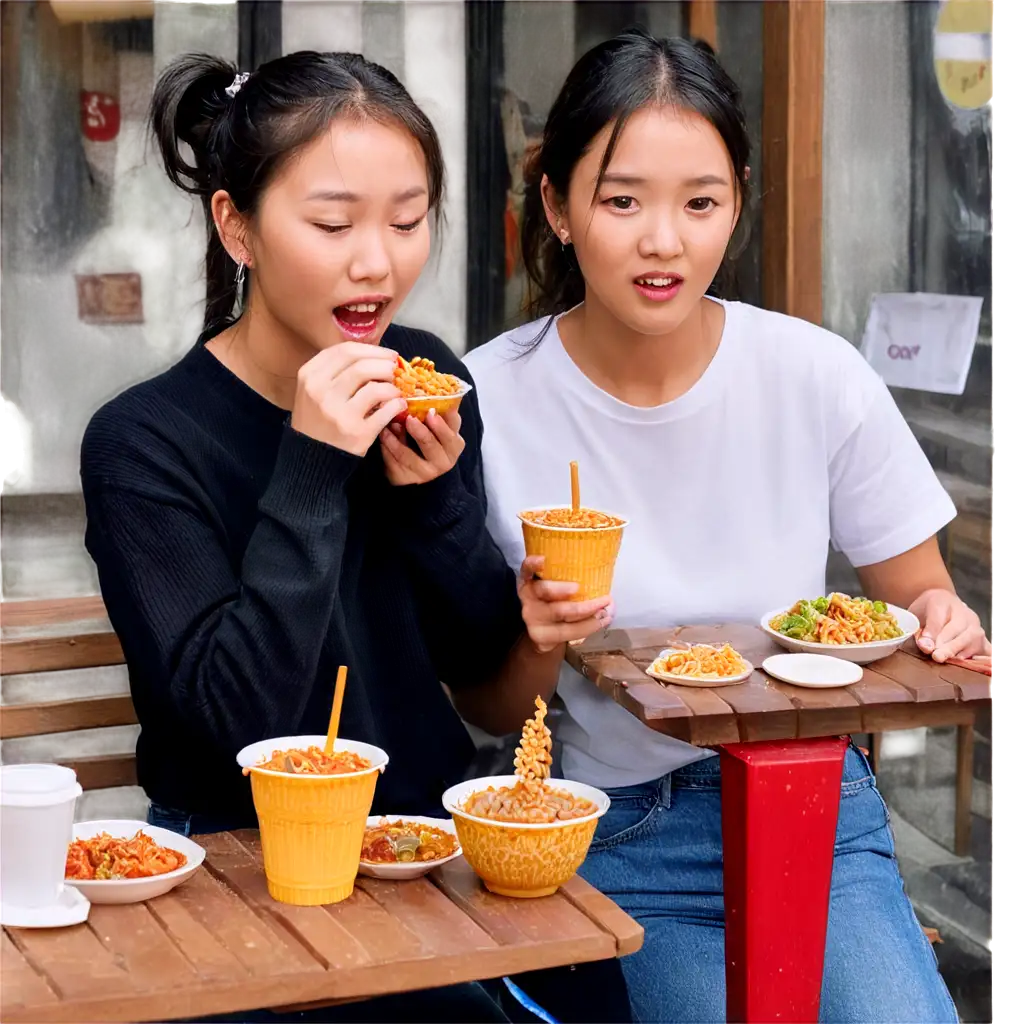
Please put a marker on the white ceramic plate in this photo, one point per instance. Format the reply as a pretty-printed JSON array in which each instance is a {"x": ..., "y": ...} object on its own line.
[
  {"x": 814, "y": 670},
  {"x": 409, "y": 869},
  {"x": 666, "y": 677},
  {"x": 135, "y": 890},
  {"x": 860, "y": 654}
]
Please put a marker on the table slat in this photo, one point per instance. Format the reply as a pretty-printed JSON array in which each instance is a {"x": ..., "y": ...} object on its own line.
[
  {"x": 139, "y": 945},
  {"x": 421, "y": 908},
  {"x": 22, "y": 984}
]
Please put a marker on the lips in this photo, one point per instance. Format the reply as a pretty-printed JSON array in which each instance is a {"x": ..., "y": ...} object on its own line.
[
  {"x": 658, "y": 286},
  {"x": 359, "y": 319}
]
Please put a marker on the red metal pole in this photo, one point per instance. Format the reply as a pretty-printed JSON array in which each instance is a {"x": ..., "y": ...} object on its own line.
[{"x": 780, "y": 806}]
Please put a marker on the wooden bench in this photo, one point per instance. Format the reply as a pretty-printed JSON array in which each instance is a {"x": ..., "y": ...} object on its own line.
[{"x": 55, "y": 636}]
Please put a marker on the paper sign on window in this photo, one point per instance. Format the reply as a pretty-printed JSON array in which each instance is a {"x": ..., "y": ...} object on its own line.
[{"x": 922, "y": 341}]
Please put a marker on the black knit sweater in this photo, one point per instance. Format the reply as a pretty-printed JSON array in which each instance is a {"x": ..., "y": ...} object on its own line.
[{"x": 242, "y": 562}]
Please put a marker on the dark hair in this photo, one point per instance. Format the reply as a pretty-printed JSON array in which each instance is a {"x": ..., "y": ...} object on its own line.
[
  {"x": 609, "y": 83},
  {"x": 239, "y": 142}
]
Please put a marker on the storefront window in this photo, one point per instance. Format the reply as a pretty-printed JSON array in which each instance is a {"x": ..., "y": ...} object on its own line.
[{"x": 102, "y": 260}]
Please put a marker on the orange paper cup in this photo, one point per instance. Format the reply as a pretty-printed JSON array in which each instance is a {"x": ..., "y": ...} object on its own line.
[
  {"x": 586, "y": 557},
  {"x": 311, "y": 826},
  {"x": 523, "y": 861}
]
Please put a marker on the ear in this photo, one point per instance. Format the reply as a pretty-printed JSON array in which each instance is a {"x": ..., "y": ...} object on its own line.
[
  {"x": 231, "y": 227},
  {"x": 554, "y": 210}
]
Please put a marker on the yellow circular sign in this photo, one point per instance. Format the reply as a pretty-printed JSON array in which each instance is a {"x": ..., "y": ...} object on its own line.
[{"x": 963, "y": 52}]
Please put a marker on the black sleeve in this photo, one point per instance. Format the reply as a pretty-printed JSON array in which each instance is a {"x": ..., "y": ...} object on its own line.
[
  {"x": 233, "y": 652},
  {"x": 468, "y": 600}
]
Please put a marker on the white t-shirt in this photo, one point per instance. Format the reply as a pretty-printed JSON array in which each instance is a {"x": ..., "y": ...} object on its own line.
[{"x": 733, "y": 491}]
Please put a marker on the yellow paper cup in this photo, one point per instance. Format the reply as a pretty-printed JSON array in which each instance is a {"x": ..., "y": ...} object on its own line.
[
  {"x": 441, "y": 404},
  {"x": 311, "y": 826},
  {"x": 586, "y": 557},
  {"x": 523, "y": 861}
]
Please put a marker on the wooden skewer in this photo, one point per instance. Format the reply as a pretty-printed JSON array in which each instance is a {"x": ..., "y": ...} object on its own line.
[
  {"x": 574, "y": 473},
  {"x": 339, "y": 693}
]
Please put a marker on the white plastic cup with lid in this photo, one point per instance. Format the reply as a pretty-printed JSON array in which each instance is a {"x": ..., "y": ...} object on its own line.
[{"x": 37, "y": 808}]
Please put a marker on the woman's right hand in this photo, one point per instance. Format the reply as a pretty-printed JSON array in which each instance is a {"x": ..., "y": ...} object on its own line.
[
  {"x": 551, "y": 617},
  {"x": 345, "y": 396}
]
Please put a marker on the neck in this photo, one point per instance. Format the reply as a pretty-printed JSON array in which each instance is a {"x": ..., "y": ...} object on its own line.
[
  {"x": 641, "y": 370},
  {"x": 262, "y": 353}
]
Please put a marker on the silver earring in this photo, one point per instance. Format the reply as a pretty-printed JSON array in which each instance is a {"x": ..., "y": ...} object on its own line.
[{"x": 240, "y": 274}]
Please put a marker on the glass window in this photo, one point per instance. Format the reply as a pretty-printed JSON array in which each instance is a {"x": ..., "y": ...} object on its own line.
[{"x": 102, "y": 259}]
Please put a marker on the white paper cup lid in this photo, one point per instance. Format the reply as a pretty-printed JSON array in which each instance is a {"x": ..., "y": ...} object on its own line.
[{"x": 37, "y": 785}]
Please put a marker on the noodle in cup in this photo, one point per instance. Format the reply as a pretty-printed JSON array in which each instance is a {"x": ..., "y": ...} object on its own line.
[
  {"x": 311, "y": 826},
  {"x": 585, "y": 555},
  {"x": 523, "y": 860}
]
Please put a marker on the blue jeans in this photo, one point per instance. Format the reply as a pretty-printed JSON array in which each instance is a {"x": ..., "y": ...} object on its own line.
[{"x": 658, "y": 854}]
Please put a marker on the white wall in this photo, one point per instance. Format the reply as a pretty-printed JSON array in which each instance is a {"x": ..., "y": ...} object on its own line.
[
  {"x": 322, "y": 25},
  {"x": 435, "y": 75}
]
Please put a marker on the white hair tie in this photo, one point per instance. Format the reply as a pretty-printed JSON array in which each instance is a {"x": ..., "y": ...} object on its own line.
[{"x": 240, "y": 80}]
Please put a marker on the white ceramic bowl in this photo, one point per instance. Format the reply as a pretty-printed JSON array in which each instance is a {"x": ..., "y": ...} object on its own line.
[
  {"x": 135, "y": 890},
  {"x": 409, "y": 869},
  {"x": 859, "y": 654},
  {"x": 252, "y": 755}
]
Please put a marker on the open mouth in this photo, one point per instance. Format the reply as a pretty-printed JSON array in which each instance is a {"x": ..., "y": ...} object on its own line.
[
  {"x": 658, "y": 287},
  {"x": 359, "y": 320}
]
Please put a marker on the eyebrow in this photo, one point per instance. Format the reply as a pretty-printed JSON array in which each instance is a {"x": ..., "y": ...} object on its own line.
[
  {"x": 330, "y": 196},
  {"x": 632, "y": 179}
]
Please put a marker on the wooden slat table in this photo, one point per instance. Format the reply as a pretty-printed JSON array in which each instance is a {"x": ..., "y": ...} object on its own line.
[
  {"x": 219, "y": 943},
  {"x": 781, "y": 775}
]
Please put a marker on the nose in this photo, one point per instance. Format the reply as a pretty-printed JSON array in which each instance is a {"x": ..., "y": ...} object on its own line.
[
  {"x": 662, "y": 240},
  {"x": 370, "y": 260}
]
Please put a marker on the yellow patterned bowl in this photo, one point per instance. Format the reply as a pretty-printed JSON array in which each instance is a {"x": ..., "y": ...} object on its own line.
[
  {"x": 583, "y": 556},
  {"x": 311, "y": 826},
  {"x": 523, "y": 860}
]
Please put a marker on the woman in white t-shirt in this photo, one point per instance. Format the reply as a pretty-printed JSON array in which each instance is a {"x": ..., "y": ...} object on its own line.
[{"x": 739, "y": 443}]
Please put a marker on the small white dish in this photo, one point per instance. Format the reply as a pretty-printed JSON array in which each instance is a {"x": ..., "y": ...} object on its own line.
[
  {"x": 71, "y": 908},
  {"x": 135, "y": 890},
  {"x": 819, "y": 671},
  {"x": 860, "y": 654},
  {"x": 666, "y": 677},
  {"x": 409, "y": 869}
]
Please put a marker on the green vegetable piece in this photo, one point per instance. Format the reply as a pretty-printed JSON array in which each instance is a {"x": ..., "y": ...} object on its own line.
[{"x": 406, "y": 847}]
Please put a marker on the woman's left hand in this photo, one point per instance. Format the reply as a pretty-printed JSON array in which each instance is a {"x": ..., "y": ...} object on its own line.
[
  {"x": 439, "y": 441},
  {"x": 949, "y": 629}
]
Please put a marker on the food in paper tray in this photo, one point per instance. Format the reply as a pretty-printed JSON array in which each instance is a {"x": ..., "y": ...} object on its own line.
[
  {"x": 312, "y": 761},
  {"x": 700, "y": 661},
  {"x": 104, "y": 857},
  {"x": 838, "y": 619},
  {"x": 419, "y": 378},
  {"x": 531, "y": 799},
  {"x": 402, "y": 842},
  {"x": 424, "y": 387}
]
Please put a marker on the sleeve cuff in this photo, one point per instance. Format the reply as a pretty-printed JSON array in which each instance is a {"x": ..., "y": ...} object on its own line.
[{"x": 309, "y": 478}]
